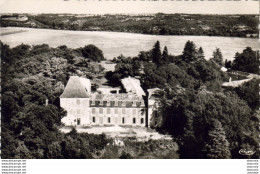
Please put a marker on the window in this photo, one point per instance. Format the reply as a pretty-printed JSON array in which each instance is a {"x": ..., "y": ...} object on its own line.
[
  {"x": 97, "y": 103},
  {"x": 100, "y": 120},
  {"x": 128, "y": 112},
  {"x": 140, "y": 112},
  {"x": 108, "y": 110},
  {"x": 155, "y": 114},
  {"x": 142, "y": 120},
  {"x": 113, "y": 92},
  {"x": 123, "y": 111},
  {"x": 116, "y": 103},
  {"x": 93, "y": 110},
  {"x": 104, "y": 103},
  {"x": 123, "y": 103},
  {"x": 112, "y": 103},
  {"x": 108, "y": 120},
  {"x": 78, "y": 101},
  {"x": 134, "y": 111},
  {"x": 134, "y": 120},
  {"x": 78, "y": 121},
  {"x": 116, "y": 111},
  {"x": 94, "y": 119},
  {"x": 101, "y": 110},
  {"x": 123, "y": 120},
  {"x": 129, "y": 104},
  {"x": 134, "y": 103}
]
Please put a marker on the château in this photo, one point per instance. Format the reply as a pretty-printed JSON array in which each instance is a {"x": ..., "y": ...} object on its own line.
[{"x": 106, "y": 105}]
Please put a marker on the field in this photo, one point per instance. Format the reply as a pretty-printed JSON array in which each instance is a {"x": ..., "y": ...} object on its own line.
[{"x": 114, "y": 43}]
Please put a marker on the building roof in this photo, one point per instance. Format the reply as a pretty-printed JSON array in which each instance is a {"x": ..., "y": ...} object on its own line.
[
  {"x": 86, "y": 84},
  {"x": 116, "y": 100},
  {"x": 76, "y": 88},
  {"x": 151, "y": 92},
  {"x": 116, "y": 97},
  {"x": 132, "y": 85},
  {"x": 223, "y": 69},
  {"x": 108, "y": 90}
]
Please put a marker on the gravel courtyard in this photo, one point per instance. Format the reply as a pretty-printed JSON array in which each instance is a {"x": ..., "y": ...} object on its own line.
[{"x": 140, "y": 133}]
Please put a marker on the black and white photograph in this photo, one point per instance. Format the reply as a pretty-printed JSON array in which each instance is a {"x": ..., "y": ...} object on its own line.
[{"x": 129, "y": 79}]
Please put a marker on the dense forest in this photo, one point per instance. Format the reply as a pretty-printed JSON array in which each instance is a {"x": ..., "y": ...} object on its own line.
[
  {"x": 157, "y": 24},
  {"x": 204, "y": 119},
  {"x": 33, "y": 78}
]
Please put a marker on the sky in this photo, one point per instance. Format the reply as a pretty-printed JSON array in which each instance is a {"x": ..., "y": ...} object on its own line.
[{"x": 129, "y": 6}]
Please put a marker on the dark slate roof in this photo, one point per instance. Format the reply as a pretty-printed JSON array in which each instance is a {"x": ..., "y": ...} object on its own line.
[
  {"x": 74, "y": 89},
  {"x": 127, "y": 104},
  {"x": 116, "y": 97}
]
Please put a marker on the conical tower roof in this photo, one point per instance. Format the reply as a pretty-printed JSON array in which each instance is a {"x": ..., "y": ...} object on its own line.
[{"x": 75, "y": 89}]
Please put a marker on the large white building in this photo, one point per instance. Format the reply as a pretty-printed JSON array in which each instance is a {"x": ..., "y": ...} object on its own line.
[{"x": 106, "y": 106}]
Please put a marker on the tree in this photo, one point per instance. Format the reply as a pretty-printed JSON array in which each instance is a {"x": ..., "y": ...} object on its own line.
[
  {"x": 92, "y": 52},
  {"x": 21, "y": 50},
  {"x": 125, "y": 155},
  {"x": 249, "y": 92},
  {"x": 187, "y": 115},
  {"x": 201, "y": 54},
  {"x": 165, "y": 56},
  {"x": 144, "y": 56},
  {"x": 217, "y": 57},
  {"x": 54, "y": 151},
  {"x": 156, "y": 53},
  {"x": 247, "y": 61},
  {"x": 5, "y": 53},
  {"x": 189, "y": 53},
  {"x": 22, "y": 151},
  {"x": 39, "y": 49},
  {"x": 228, "y": 64},
  {"x": 217, "y": 146}
]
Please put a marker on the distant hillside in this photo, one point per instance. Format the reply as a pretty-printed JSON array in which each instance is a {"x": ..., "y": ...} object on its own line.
[{"x": 155, "y": 24}]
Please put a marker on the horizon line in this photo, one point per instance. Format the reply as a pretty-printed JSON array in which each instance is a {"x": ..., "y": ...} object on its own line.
[{"x": 133, "y": 13}]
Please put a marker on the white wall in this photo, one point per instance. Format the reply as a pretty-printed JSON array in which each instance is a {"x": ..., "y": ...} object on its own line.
[
  {"x": 116, "y": 118},
  {"x": 152, "y": 106},
  {"x": 77, "y": 108}
]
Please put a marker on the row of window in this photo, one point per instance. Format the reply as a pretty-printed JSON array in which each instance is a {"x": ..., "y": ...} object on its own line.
[
  {"x": 112, "y": 103},
  {"x": 124, "y": 111},
  {"x": 115, "y": 103},
  {"x": 75, "y": 111},
  {"x": 122, "y": 121}
]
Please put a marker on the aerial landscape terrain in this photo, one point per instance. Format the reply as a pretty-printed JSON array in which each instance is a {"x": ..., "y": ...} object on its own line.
[
  {"x": 155, "y": 24},
  {"x": 203, "y": 70}
]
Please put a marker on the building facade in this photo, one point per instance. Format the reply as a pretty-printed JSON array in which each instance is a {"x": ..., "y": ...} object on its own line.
[{"x": 106, "y": 106}]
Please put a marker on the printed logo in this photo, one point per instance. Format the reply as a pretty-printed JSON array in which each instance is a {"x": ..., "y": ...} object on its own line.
[{"x": 246, "y": 152}]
